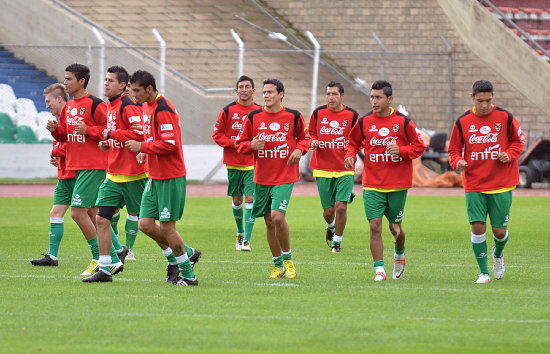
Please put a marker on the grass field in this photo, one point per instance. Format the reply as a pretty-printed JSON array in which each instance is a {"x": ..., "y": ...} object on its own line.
[{"x": 332, "y": 306}]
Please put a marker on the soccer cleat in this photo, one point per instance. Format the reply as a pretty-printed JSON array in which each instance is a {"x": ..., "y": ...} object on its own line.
[
  {"x": 172, "y": 272},
  {"x": 195, "y": 257},
  {"x": 185, "y": 281},
  {"x": 239, "y": 242},
  {"x": 45, "y": 262},
  {"x": 246, "y": 246},
  {"x": 99, "y": 277},
  {"x": 130, "y": 256},
  {"x": 380, "y": 276},
  {"x": 277, "y": 273},
  {"x": 123, "y": 254},
  {"x": 483, "y": 278},
  {"x": 329, "y": 237},
  {"x": 290, "y": 270},
  {"x": 117, "y": 268},
  {"x": 91, "y": 269},
  {"x": 336, "y": 248},
  {"x": 398, "y": 268},
  {"x": 498, "y": 266}
]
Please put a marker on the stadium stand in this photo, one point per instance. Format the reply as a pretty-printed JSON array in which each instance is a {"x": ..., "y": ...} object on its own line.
[{"x": 25, "y": 135}]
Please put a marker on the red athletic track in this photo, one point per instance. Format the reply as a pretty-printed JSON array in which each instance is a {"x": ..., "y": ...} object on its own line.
[{"x": 300, "y": 188}]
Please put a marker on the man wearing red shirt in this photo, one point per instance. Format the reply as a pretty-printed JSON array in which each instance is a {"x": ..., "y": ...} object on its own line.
[
  {"x": 81, "y": 125},
  {"x": 240, "y": 167},
  {"x": 277, "y": 136},
  {"x": 164, "y": 195},
  {"x": 485, "y": 144},
  {"x": 56, "y": 97},
  {"x": 329, "y": 129},
  {"x": 391, "y": 141}
]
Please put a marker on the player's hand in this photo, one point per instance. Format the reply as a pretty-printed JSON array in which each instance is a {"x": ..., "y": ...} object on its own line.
[
  {"x": 103, "y": 145},
  {"x": 503, "y": 157},
  {"x": 257, "y": 143},
  {"x": 461, "y": 165},
  {"x": 53, "y": 161},
  {"x": 294, "y": 158},
  {"x": 133, "y": 146},
  {"x": 51, "y": 125},
  {"x": 105, "y": 133},
  {"x": 392, "y": 149},
  {"x": 314, "y": 144},
  {"x": 141, "y": 157},
  {"x": 80, "y": 128},
  {"x": 349, "y": 162}
]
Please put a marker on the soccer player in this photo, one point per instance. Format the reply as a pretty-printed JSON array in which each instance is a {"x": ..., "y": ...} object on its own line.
[
  {"x": 126, "y": 177},
  {"x": 329, "y": 129},
  {"x": 485, "y": 144},
  {"x": 56, "y": 97},
  {"x": 164, "y": 195},
  {"x": 277, "y": 136},
  {"x": 391, "y": 141},
  {"x": 240, "y": 167},
  {"x": 81, "y": 125}
]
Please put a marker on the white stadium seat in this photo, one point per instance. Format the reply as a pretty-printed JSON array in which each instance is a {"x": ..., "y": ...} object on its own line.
[
  {"x": 6, "y": 93},
  {"x": 25, "y": 105}
]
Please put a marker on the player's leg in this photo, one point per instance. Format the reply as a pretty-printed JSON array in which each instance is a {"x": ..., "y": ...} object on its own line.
[
  {"x": 114, "y": 221},
  {"x": 327, "y": 194},
  {"x": 343, "y": 192},
  {"x": 394, "y": 213},
  {"x": 499, "y": 214},
  {"x": 235, "y": 191},
  {"x": 249, "y": 219},
  {"x": 375, "y": 205},
  {"x": 132, "y": 194},
  {"x": 280, "y": 198},
  {"x": 476, "y": 205}
]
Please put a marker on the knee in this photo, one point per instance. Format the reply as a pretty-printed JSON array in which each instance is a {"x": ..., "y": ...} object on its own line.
[
  {"x": 145, "y": 226},
  {"x": 277, "y": 218},
  {"x": 375, "y": 227},
  {"x": 77, "y": 213},
  {"x": 341, "y": 208},
  {"x": 328, "y": 213},
  {"x": 499, "y": 233}
]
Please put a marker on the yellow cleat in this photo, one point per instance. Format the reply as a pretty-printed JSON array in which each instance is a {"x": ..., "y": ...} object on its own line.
[
  {"x": 277, "y": 273},
  {"x": 91, "y": 269},
  {"x": 290, "y": 269}
]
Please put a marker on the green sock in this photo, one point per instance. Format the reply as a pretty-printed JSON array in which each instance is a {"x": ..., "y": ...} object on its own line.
[
  {"x": 238, "y": 215},
  {"x": 115, "y": 241},
  {"x": 114, "y": 255},
  {"x": 114, "y": 222},
  {"x": 248, "y": 223},
  {"x": 56, "y": 234},
  {"x": 94, "y": 247},
  {"x": 287, "y": 256},
  {"x": 131, "y": 228},
  {"x": 278, "y": 261},
  {"x": 479, "y": 245},
  {"x": 332, "y": 225},
  {"x": 398, "y": 251},
  {"x": 379, "y": 263},
  {"x": 185, "y": 267},
  {"x": 170, "y": 256},
  {"x": 499, "y": 245},
  {"x": 188, "y": 250}
]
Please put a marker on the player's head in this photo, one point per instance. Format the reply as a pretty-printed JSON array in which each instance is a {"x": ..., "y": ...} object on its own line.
[
  {"x": 244, "y": 78},
  {"x": 56, "y": 97},
  {"x": 381, "y": 96},
  {"x": 116, "y": 80},
  {"x": 334, "y": 95},
  {"x": 77, "y": 77},
  {"x": 245, "y": 89},
  {"x": 273, "y": 92},
  {"x": 143, "y": 86},
  {"x": 482, "y": 96}
]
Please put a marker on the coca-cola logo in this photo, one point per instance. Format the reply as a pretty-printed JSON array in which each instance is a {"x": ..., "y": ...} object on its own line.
[
  {"x": 236, "y": 125},
  {"x": 383, "y": 141},
  {"x": 483, "y": 139},
  {"x": 276, "y": 137},
  {"x": 332, "y": 131}
]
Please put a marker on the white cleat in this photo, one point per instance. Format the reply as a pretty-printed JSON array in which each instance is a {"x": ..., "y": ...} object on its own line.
[
  {"x": 498, "y": 267},
  {"x": 239, "y": 243},
  {"x": 398, "y": 267},
  {"x": 131, "y": 256},
  {"x": 380, "y": 276},
  {"x": 483, "y": 278},
  {"x": 246, "y": 246}
]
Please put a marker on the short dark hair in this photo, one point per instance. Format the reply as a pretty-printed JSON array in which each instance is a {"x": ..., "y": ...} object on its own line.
[
  {"x": 244, "y": 78},
  {"x": 277, "y": 83},
  {"x": 120, "y": 73},
  {"x": 336, "y": 84},
  {"x": 80, "y": 71},
  {"x": 482, "y": 86},
  {"x": 384, "y": 86},
  {"x": 143, "y": 79},
  {"x": 58, "y": 90}
]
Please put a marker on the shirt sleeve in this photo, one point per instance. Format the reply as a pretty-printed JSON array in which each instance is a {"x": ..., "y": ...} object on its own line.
[
  {"x": 517, "y": 140},
  {"x": 245, "y": 137},
  {"x": 355, "y": 143},
  {"x": 166, "y": 124},
  {"x": 456, "y": 147},
  {"x": 313, "y": 128},
  {"x": 219, "y": 134},
  {"x": 416, "y": 145},
  {"x": 60, "y": 134},
  {"x": 95, "y": 131},
  {"x": 133, "y": 118},
  {"x": 303, "y": 142}
]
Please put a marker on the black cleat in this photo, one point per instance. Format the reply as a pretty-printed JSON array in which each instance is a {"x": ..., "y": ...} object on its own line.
[
  {"x": 99, "y": 277},
  {"x": 47, "y": 261},
  {"x": 330, "y": 235},
  {"x": 195, "y": 257},
  {"x": 336, "y": 248},
  {"x": 185, "y": 281},
  {"x": 172, "y": 272},
  {"x": 122, "y": 255}
]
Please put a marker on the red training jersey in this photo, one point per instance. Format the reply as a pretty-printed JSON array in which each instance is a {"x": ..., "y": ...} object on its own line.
[
  {"x": 227, "y": 128},
  {"x": 332, "y": 130},
  {"x": 381, "y": 169},
  {"x": 59, "y": 151},
  {"x": 125, "y": 122},
  {"x": 479, "y": 140},
  {"x": 162, "y": 135},
  {"x": 283, "y": 132},
  {"x": 83, "y": 152}
]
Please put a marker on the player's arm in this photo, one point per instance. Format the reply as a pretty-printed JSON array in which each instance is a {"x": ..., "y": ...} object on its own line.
[
  {"x": 133, "y": 118},
  {"x": 219, "y": 134},
  {"x": 314, "y": 140},
  {"x": 354, "y": 145},
  {"x": 59, "y": 150},
  {"x": 517, "y": 142},
  {"x": 245, "y": 137},
  {"x": 95, "y": 131},
  {"x": 455, "y": 150},
  {"x": 59, "y": 129},
  {"x": 416, "y": 145},
  {"x": 166, "y": 123}
]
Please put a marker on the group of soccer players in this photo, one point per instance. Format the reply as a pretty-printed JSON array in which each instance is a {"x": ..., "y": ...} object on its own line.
[{"x": 128, "y": 152}]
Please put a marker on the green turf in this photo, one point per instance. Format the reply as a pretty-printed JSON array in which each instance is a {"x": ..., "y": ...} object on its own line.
[{"x": 332, "y": 306}]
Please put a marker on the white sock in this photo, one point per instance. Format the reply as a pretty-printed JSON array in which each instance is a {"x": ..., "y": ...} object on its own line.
[
  {"x": 379, "y": 269},
  {"x": 337, "y": 238}
]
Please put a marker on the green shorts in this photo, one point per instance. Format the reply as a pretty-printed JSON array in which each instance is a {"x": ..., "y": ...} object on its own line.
[
  {"x": 267, "y": 198},
  {"x": 332, "y": 190},
  {"x": 63, "y": 193},
  {"x": 496, "y": 205},
  {"x": 120, "y": 194},
  {"x": 390, "y": 204},
  {"x": 86, "y": 187},
  {"x": 240, "y": 182},
  {"x": 163, "y": 199}
]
